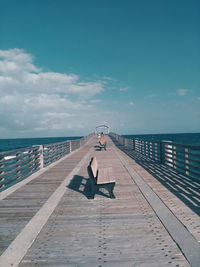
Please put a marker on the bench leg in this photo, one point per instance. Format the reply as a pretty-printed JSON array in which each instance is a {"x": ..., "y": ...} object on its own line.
[
  {"x": 109, "y": 187},
  {"x": 93, "y": 188}
]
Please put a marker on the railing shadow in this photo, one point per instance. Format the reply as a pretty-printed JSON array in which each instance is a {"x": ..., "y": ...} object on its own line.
[
  {"x": 186, "y": 189},
  {"x": 83, "y": 186}
]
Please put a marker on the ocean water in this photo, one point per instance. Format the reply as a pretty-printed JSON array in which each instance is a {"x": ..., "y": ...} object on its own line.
[
  {"x": 181, "y": 138},
  {"x": 12, "y": 144}
]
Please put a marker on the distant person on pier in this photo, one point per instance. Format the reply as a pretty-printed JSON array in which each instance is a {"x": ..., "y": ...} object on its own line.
[{"x": 102, "y": 141}]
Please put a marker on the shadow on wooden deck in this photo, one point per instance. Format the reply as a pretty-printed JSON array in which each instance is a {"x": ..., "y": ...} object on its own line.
[
  {"x": 82, "y": 185},
  {"x": 186, "y": 189},
  {"x": 98, "y": 148}
]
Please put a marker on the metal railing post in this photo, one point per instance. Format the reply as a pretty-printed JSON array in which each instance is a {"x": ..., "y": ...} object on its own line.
[
  {"x": 41, "y": 151},
  {"x": 133, "y": 143},
  {"x": 162, "y": 152},
  {"x": 2, "y": 172},
  {"x": 186, "y": 161},
  {"x": 70, "y": 146},
  {"x": 18, "y": 165}
]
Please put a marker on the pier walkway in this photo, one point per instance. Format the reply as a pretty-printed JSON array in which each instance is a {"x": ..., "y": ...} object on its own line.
[{"x": 50, "y": 219}]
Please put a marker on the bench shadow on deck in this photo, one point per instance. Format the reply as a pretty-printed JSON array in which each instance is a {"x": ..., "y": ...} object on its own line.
[
  {"x": 82, "y": 185},
  {"x": 176, "y": 183}
]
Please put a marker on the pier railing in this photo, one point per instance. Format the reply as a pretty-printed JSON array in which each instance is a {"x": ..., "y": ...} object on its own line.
[
  {"x": 183, "y": 158},
  {"x": 53, "y": 152},
  {"x": 18, "y": 164}
]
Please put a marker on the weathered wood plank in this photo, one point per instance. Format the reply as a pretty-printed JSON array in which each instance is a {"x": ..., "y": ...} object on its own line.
[
  {"x": 104, "y": 232},
  {"x": 18, "y": 208},
  {"x": 124, "y": 231},
  {"x": 105, "y": 175}
]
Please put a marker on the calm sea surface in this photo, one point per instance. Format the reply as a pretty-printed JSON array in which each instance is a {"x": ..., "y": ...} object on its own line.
[
  {"x": 12, "y": 144},
  {"x": 183, "y": 138}
]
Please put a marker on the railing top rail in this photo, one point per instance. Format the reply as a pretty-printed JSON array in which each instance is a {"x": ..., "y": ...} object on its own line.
[
  {"x": 34, "y": 147},
  {"x": 58, "y": 143},
  {"x": 165, "y": 142},
  {"x": 145, "y": 140},
  {"x": 184, "y": 158},
  {"x": 20, "y": 163},
  {"x": 19, "y": 150},
  {"x": 63, "y": 142},
  {"x": 183, "y": 145}
]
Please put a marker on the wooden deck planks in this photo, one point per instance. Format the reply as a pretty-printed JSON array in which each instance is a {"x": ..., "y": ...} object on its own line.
[
  {"x": 182, "y": 211},
  {"x": 19, "y": 208},
  {"x": 124, "y": 231},
  {"x": 104, "y": 232}
]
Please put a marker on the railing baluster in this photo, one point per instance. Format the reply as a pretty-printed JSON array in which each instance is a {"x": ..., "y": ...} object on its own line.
[
  {"x": 182, "y": 158},
  {"x": 18, "y": 164}
]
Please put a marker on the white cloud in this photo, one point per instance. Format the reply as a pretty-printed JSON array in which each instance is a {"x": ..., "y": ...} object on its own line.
[
  {"x": 38, "y": 103},
  {"x": 57, "y": 115},
  {"x": 107, "y": 78},
  {"x": 123, "y": 89},
  {"x": 96, "y": 101},
  {"x": 16, "y": 61},
  {"x": 18, "y": 73}
]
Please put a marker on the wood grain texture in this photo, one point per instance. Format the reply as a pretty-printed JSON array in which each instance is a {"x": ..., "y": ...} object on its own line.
[{"x": 81, "y": 231}]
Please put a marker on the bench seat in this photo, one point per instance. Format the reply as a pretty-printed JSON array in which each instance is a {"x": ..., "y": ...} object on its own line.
[{"x": 105, "y": 176}]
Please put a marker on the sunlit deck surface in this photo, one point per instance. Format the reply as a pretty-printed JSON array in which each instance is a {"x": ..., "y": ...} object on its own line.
[{"x": 52, "y": 220}]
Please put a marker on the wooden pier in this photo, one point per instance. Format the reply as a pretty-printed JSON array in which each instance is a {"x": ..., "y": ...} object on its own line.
[{"x": 50, "y": 219}]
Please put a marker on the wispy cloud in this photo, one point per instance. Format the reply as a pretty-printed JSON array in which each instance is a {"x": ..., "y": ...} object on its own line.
[
  {"x": 123, "y": 89},
  {"x": 182, "y": 92},
  {"x": 153, "y": 95},
  {"x": 107, "y": 78},
  {"x": 95, "y": 101}
]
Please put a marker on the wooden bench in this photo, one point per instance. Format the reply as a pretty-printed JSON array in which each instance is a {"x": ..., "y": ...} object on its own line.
[
  {"x": 102, "y": 143},
  {"x": 100, "y": 178},
  {"x": 102, "y": 146}
]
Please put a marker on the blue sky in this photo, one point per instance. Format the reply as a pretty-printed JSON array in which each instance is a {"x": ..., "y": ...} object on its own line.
[{"x": 67, "y": 66}]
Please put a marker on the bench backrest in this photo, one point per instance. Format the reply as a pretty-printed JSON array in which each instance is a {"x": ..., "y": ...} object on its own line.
[
  {"x": 102, "y": 140},
  {"x": 94, "y": 167}
]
